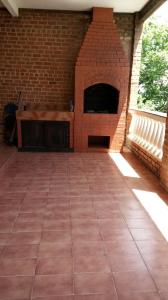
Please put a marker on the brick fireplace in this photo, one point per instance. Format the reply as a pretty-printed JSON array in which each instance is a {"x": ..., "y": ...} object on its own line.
[{"x": 101, "y": 87}]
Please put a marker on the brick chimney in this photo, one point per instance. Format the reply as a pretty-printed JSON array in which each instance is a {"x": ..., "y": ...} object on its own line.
[
  {"x": 102, "y": 42},
  {"x": 101, "y": 63}
]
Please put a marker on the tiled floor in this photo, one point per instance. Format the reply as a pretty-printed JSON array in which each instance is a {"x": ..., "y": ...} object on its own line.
[{"x": 71, "y": 229}]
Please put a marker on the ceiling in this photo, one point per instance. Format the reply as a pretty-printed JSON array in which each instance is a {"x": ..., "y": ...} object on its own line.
[{"x": 129, "y": 6}]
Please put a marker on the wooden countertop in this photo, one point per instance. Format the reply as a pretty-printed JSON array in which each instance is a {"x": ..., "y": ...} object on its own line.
[{"x": 45, "y": 115}]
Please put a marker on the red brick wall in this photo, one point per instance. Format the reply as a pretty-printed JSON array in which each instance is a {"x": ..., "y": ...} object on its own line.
[
  {"x": 38, "y": 52},
  {"x": 136, "y": 64}
]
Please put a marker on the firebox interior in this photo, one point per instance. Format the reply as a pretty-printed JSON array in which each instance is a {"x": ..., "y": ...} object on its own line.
[
  {"x": 99, "y": 141},
  {"x": 101, "y": 98}
]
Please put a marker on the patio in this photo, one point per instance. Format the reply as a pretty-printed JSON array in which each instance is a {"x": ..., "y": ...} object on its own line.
[
  {"x": 88, "y": 222},
  {"x": 74, "y": 226}
]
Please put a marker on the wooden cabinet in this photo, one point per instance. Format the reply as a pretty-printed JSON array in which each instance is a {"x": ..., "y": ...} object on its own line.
[
  {"x": 45, "y": 135},
  {"x": 45, "y": 131}
]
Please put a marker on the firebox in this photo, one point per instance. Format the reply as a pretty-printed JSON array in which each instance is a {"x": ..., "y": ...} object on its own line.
[
  {"x": 101, "y": 98},
  {"x": 99, "y": 142}
]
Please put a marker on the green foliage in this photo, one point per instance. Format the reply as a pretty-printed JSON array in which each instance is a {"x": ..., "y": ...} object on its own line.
[{"x": 153, "y": 89}]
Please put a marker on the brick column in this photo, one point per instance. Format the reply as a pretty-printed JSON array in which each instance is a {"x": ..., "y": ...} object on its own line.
[
  {"x": 164, "y": 166},
  {"x": 136, "y": 63}
]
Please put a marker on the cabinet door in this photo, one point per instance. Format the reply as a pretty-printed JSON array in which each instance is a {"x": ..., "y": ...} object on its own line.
[
  {"x": 56, "y": 135},
  {"x": 32, "y": 134}
]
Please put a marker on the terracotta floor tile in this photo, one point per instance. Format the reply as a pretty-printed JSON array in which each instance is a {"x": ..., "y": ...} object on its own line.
[
  {"x": 108, "y": 213},
  {"x": 121, "y": 247},
  {"x": 20, "y": 251},
  {"x": 54, "y": 298},
  {"x": 134, "y": 214},
  {"x": 32, "y": 208},
  {"x": 164, "y": 295},
  {"x": 57, "y": 215},
  {"x": 17, "y": 267},
  {"x": 8, "y": 209},
  {"x": 140, "y": 223},
  {"x": 87, "y": 234},
  {"x": 63, "y": 249},
  {"x": 58, "y": 209},
  {"x": 30, "y": 217},
  {"x": 49, "y": 285},
  {"x": 156, "y": 261},
  {"x": 5, "y": 227},
  {"x": 4, "y": 199},
  {"x": 106, "y": 204},
  {"x": 82, "y": 201},
  {"x": 100, "y": 283},
  {"x": 15, "y": 287},
  {"x": 84, "y": 248},
  {"x": 107, "y": 224},
  {"x": 55, "y": 224},
  {"x": 121, "y": 262},
  {"x": 90, "y": 263},
  {"x": 134, "y": 281},
  {"x": 139, "y": 296},
  {"x": 152, "y": 246},
  {"x": 87, "y": 213},
  {"x": 55, "y": 204},
  {"x": 96, "y": 297},
  {"x": 4, "y": 238},
  {"x": 115, "y": 234},
  {"x": 146, "y": 234},
  {"x": 10, "y": 214},
  {"x": 34, "y": 200},
  {"x": 161, "y": 278},
  {"x": 56, "y": 236},
  {"x": 27, "y": 226},
  {"x": 23, "y": 238},
  {"x": 1, "y": 248},
  {"x": 56, "y": 265},
  {"x": 82, "y": 224}
]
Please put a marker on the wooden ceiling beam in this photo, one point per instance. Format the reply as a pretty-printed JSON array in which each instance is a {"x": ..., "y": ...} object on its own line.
[
  {"x": 150, "y": 7},
  {"x": 11, "y": 6}
]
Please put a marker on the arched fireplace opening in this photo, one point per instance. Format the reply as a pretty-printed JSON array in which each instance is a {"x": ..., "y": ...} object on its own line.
[{"x": 101, "y": 98}]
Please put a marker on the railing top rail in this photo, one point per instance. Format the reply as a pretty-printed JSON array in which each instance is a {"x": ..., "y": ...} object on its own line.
[{"x": 150, "y": 114}]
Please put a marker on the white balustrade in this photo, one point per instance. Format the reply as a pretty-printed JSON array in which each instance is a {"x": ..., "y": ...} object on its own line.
[{"x": 147, "y": 130}]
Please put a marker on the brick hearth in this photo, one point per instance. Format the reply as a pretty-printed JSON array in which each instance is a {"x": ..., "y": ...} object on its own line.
[{"x": 101, "y": 60}]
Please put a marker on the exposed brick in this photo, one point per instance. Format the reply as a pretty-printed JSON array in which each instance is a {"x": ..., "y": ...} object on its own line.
[
  {"x": 164, "y": 166},
  {"x": 149, "y": 160},
  {"x": 38, "y": 52},
  {"x": 103, "y": 60}
]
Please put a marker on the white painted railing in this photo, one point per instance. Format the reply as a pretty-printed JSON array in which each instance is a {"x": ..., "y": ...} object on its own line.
[{"x": 147, "y": 130}]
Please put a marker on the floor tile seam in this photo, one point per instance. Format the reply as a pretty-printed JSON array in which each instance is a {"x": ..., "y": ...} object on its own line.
[
  {"x": 17, "y": 216},
  {"x": 10, "y": 232},
  {"x": 148, "y": 271},
  {"x": 3, "y": 251},
  {"x": 114, "y": 284},
  {"x": 137, "y": 291},
  {"x": 135, "y": 242},
  {"x": 125, "y": 220},
  {"x": 8, "y": 161},
  {"x": 104, "y": 255},
  {"x": 130, "y": 189},
  {"x": 16, "y": 275},
  {"x": 97, "y": 293}
]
